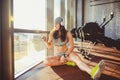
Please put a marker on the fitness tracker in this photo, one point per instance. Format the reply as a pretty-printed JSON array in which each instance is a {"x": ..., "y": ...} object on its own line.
[{"x": 65, "y": 55}]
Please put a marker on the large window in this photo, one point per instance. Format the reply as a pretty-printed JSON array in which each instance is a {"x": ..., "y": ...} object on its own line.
[
  {"x": 29, "y": 20},
  {"x": 29, "y": 14},
  {"x": 57, "y": 8}
]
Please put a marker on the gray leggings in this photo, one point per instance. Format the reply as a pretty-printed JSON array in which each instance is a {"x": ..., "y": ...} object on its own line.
[{"x": 61, "y": 54}]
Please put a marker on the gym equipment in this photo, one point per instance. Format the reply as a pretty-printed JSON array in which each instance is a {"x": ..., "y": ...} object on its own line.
[
  {"x": 85, "y": 49},
  {"x": 94, "y": 32}
]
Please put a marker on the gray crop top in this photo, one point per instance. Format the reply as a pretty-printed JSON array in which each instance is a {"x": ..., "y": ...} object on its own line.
[{"x": 58, "y": 42}]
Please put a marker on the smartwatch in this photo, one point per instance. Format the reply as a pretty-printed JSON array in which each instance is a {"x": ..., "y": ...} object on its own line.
[{"x": 65, "y": 55}]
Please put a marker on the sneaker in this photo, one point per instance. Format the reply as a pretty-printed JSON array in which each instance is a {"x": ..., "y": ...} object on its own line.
[
  {"x": 97, "y": 70},
  {"x": 70, "y": 63}
]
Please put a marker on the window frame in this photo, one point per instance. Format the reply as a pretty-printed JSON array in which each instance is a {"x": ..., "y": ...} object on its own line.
[
  {"x": 27, "y": 31},
  {"x": 20, "y": 30}
]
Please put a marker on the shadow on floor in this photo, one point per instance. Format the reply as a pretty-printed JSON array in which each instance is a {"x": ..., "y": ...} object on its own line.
[{"x": 69, "y": 72}]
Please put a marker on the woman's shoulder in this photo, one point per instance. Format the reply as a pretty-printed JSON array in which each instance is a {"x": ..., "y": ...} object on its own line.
[
  {"x": 52, "y": 31},
  {"x": 69, "y": 33}
]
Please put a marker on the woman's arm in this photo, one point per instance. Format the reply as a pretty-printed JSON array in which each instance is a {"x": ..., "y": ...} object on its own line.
[
  {"x": 49, "y": 41},
  {"x": 71, "y": 43}
]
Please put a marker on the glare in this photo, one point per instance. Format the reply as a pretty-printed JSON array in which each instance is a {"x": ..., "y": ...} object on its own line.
[
  {"x": 29, "y": 14},
  {"x": 57, "y": 8},
  {"x": 11, "y": 18}
]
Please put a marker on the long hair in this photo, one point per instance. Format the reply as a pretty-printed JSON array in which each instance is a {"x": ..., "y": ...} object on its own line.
[{"x": 63, "y": 32}]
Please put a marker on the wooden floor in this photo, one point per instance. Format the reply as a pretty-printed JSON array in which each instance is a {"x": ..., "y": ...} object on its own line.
[{"x": 64, "y": 72}]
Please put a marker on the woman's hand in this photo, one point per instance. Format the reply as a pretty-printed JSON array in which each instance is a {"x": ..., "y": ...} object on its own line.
[
  {"x": 44, "y": 39},
  {"x": 48, "y": 42},
  {"x": 63, "y": 59}
]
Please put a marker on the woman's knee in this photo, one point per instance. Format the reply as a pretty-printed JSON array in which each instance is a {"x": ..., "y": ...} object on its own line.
[
  {"x": 51, "y": 61},
  {"x": 47, "y": 62},
  {"x": 74, "y": 57}
]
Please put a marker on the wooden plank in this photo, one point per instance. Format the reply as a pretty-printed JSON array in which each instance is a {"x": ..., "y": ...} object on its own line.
[
  {"x": 102, "y": 51},
  {"x": 111, "y": 56},
  {"x": 105, "y": 56},
  {"x": 66, "y": 73}
]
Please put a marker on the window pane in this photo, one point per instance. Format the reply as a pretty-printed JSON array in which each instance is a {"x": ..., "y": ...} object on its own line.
[
  {"x": 29, "y": 14},
  {"x": 57, "y": 8},
  {"x": 29, "y": 50}
]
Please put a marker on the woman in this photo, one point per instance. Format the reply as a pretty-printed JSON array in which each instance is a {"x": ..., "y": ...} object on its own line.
[{"x": 63, "y": 50}]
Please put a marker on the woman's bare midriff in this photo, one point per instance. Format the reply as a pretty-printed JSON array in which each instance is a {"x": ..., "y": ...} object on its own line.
[{"x": 60, "y": 49}]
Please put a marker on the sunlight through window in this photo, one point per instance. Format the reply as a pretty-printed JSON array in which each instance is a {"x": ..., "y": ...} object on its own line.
[
  {"x": 29, "y": 14},
  {"x": 29, "y": 49}
]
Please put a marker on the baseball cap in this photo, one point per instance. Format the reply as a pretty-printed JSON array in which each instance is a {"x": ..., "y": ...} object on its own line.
[{"x": 58, "y": 20}]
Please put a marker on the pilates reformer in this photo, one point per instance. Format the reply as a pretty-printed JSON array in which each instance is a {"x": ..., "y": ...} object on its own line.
[
  {"x": 94, "y": 32},
  {"x": 86, "y": 46}
]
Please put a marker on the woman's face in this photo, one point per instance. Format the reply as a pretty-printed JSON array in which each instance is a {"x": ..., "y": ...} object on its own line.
[{"x": 57, "y": 26}]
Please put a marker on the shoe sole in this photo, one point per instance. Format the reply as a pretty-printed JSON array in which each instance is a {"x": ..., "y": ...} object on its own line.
[{"x": 100, "y": 70}]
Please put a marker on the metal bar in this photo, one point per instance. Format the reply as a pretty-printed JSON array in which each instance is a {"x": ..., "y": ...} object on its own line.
[
  {"x": 105, "y": 3},
  {"x": 0, "y": 40},
  {"x": 30, "y": 31},
  {"x": 7, "y": 55},
  {"x": 94, "y": 0}
]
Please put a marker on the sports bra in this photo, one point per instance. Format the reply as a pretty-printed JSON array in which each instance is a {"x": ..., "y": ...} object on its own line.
[{"x": 58, "y": 42}]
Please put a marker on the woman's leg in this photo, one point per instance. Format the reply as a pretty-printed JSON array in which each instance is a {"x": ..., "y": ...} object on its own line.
[
  {"x": 53, "y": 61},
  {"x": 94, "y": 72},
  {"x": 75, "y": 58}
]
